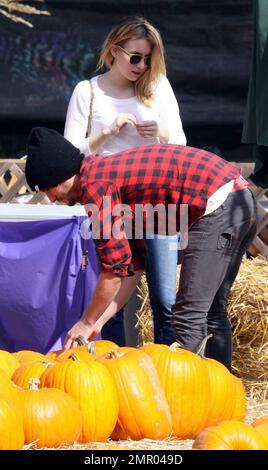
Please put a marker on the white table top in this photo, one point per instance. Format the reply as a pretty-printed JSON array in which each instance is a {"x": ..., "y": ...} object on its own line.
[{"x": 39, "y": 211}]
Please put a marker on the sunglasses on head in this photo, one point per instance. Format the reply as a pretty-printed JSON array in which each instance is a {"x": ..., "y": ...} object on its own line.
[{"x": 135, "y": 59}]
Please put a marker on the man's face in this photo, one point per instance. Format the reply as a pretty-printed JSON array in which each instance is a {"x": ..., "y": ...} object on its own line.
[{"x": 68, "y": 192}]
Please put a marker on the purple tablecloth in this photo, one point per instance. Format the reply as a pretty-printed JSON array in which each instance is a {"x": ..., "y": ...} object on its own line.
[{"x": 43, "y": 290}]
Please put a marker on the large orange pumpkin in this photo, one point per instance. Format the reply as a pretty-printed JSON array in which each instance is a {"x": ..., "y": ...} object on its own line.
[
  {"x": 92, "y": 387},
  {"x": 149, "y": 347},
  {"x": 230, "y": 435},
  {"x": 81, "y": 352},
  {"x": 27, "y": 371},
  {"x": 9, "y": 389},
  {"x": 26, "y": 356},
  {"x": 222, "y": 392},
  {"x": 143, "y": 409},
  {"x": 11, "y": 428},
  {"x": 63, "y": 354},
  {"x": 101, "y": 346},
  {"x": 8, "y": 363},
  {"x": 52, "y": 356},
  {"x": 119, "y": 433},
  {"x": 261, "y": 425},
  {"x": 227, "y": 393},
  {"x": 50, "y": 416},
  {"x": 185, "y": 381},
  {"x": 93, "y": 350},
  {"x": 239, "y": 412}
]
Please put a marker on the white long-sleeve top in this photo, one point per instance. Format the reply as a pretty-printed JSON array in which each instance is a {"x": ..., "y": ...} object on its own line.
[{"x": 164, "y": 109}]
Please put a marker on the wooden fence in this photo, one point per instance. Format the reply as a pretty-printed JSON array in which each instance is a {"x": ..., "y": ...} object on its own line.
[{"x": 13, "y": 185}]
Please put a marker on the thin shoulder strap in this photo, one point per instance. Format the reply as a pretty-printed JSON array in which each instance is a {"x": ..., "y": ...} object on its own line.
[{"x": 89, "y": 122}]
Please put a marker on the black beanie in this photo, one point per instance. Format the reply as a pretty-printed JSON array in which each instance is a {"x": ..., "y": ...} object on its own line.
[{"x": 51, "y": 159}]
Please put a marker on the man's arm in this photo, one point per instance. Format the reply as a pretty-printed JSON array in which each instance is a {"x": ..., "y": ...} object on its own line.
[
  {"x": 123, "y": 296},
  {"x": 111, "y": 293}
]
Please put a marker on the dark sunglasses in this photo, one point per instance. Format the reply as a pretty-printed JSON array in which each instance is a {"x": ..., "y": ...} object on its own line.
[{"x": 135, "y": 59}]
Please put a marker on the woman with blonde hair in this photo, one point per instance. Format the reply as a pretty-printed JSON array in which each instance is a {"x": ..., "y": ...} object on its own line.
[{"x": 130, "y": 105}]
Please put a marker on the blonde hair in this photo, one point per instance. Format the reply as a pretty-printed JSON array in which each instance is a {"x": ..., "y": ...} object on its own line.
[{"x": 137, "y": 28}]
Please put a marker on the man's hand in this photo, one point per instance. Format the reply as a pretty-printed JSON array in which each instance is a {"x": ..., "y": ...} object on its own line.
[
  {"x": 81, "y": 328},
  {"x": 90, "y": 324}
]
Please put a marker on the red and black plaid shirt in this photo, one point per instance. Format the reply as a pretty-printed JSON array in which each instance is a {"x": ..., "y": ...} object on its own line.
[{"x": 151, "y": 174}]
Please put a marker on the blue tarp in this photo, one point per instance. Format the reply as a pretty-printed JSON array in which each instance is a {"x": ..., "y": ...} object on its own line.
[{"x": 43, "y": 290}]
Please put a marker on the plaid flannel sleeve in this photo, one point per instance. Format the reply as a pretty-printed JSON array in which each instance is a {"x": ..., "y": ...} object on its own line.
[
  {"x": 103, "y": 205},
  {"x": 138, "y": 254}
]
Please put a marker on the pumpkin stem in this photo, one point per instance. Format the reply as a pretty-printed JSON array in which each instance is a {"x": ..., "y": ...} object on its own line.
[
  {"x": 74, "y": 357},
  {"x": 91, "y": 348},
  {"x": 201, "y": 349},
  {"x": 81, "y": 341},
  {"x": 33, "y": 384},
  {"x": 47, "y": 363},
  {"x": 112, "y": 354},
  {"x": 174, "y": 346}
]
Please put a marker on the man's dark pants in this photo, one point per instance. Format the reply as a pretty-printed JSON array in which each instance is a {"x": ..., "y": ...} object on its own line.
[{"x": 210, "y": 263}]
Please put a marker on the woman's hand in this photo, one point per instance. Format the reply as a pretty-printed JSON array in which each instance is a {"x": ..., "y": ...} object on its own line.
[
  {"x": 121, "y": 120},
  {"x": 148, "y": 129},
  {"x": 96, "y": 141}
]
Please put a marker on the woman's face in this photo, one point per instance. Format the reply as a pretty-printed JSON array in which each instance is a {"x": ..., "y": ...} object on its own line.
[{"x": 125, "y": 58}]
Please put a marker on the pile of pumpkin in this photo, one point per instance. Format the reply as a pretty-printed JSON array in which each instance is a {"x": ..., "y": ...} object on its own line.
[{"x": 99, "y": 391}]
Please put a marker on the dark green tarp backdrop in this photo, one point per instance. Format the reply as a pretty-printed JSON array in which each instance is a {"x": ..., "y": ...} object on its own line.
[{"x": 208, "y": 51}]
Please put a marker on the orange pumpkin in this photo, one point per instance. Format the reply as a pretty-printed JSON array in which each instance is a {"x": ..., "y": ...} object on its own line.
[
  {"x": 63, "y": 354},
  {"x": 81, "y": 352},
  {"x": 9, "y": 389},
  {"x": 185, "y": 381},
  {"x": 11, "y": 428},
  {"x": 101, "y": 346},
  {"x": 8, "y": 363},
  {"x": 239, "y": 412},
  {"x": 28, "y": 371},
  {"x": 50, "y": 416},
  {"x": 143, "y": 409},
  {"x": 94, "y": 348},
  {"x": 227, "y": 393},
  {"x": 92, "y": 387},
  {"x": 119, "y": 433},
  {"x": 261, "y": 425},
  {"x": 51, "y": 356},
  {"x": 222, "y": 392},
  {"x": 149, "y": 347},
  {"x": 27, "y": 356},
  {"x": 230, "y": 435}
]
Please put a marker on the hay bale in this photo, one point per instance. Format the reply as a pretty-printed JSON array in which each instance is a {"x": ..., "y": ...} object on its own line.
[
  {"x": 144, "y": 314},
  {"x": 248, "y": 313}
]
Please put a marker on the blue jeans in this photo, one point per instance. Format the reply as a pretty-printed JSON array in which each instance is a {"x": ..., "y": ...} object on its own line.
[
  {"x": 114, "y": 330},
  {"x": 161, "y": 265}
]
